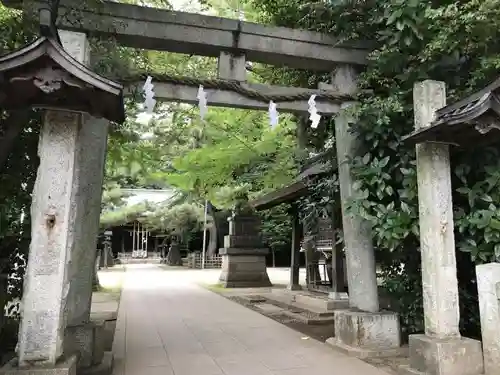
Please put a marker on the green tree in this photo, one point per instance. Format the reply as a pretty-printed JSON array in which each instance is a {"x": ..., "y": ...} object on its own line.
[{"x": 455, "y": 42}]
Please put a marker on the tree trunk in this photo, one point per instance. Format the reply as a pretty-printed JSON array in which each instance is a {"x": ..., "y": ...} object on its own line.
[
  {"x": 174, "y": 255},
  {"x": 212, "y": 244},
  {"x": 274, "y": 258}
]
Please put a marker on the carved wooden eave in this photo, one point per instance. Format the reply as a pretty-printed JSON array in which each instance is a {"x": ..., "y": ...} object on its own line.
[
  {"x": 472, "y": 121},
  {"x": 44, "y": 75}
]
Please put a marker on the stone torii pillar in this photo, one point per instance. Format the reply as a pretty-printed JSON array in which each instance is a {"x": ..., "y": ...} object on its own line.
[
  {"x": 55, "y": 330},
  {"x": 362, "y": 330},
  {"x": 441, "y": 350}
]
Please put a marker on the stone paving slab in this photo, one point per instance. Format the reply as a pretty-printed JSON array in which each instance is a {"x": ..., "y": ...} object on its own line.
[{"x": 168, "y": 325}]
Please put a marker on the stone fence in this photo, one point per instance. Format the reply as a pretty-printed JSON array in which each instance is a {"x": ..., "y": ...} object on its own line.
[{"x": 194, "y": 260}]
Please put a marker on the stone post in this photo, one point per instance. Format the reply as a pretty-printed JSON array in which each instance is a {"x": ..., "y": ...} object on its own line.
[
  {"x": 295, "y": 258},
  {"x": 361, "y": 273},
  {"x": 488, "y": 283},
  {"x": 243, "y": 255},
  {"x": 46, "y": 283},
  {"x": 362, "y": 330},
  {"x": 232, "y": 67},
  {"x": 65, "y": 219},
  {"x": 91, "y": 134},
  {"x": 441, "y": 351},
  {"x": 437, "y": 241}
]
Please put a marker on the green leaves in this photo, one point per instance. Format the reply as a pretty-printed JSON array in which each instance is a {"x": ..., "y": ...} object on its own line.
[
  {"x": 478, "y": 222},
  {"x": 406, "y": 19}
]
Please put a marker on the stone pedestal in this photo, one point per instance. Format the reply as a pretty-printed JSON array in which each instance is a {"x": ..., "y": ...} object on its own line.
[
  {"x": 364, "y": 335},
  {"x": 244, "y": 268},
  {"x": 64, "y": 366},
  {"x": 243, "y": 256},
  {"x": 488, "y": 288},
  {"x": 435, "y": 356}
]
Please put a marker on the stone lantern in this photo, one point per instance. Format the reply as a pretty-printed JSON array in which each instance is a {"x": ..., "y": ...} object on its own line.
[
  {"x": 43, "y": 75},
  {"x": 243, "y": 255}
]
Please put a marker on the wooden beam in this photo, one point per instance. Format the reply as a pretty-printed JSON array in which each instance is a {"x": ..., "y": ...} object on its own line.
[
  {"x": 195, "y": 34},
  {"x": 287, "y": 194},
  {"x": 173, "y": 92}
]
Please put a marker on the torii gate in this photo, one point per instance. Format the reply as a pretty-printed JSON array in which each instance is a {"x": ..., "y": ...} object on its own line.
[{"x": 232, "y": 42}]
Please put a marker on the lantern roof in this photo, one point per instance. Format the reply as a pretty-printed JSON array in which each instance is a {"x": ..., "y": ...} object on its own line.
[
  {"x": 471, "y": 121},
  {"x": 43, "y": 75}
]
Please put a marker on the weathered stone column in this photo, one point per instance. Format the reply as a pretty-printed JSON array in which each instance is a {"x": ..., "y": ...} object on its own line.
[
  {"x": 441, "y": 351},
  {"x": 361, "y": 273},
  {"x": 65, "y": 216},
  {"x": 46, "y": 283},
  {"x": 488, "y": 288},
  {"x": 91, "y": 133},
  {"x": 362, "y": 330},
  {"x": 295, "y": 258}
]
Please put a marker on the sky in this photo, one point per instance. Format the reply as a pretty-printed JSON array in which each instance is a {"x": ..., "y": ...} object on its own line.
[{"x": 142, "y": 195}]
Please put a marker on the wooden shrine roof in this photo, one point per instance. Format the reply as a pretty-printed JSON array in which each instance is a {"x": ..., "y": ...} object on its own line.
[
  {"x": 293, "y": 191},
  {"x": 469, "y": 122},
  {"x": 43, "y": 75}
]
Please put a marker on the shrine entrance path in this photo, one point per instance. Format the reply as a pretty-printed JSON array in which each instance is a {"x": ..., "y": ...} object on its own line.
[{"x": 168, "y": 325}]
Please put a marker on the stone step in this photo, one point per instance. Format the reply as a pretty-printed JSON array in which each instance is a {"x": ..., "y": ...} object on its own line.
[
  {"x": 269, "y": 308},
  {"x": 303, "y": 316},
  {"x": 253, "y": 299},
  {"x": 309, "y": 320},
  {"x": 315, "y": 308}
]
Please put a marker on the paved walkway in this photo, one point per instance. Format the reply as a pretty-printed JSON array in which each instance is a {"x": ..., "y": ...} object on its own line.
[{"x": 169, "y": 325}]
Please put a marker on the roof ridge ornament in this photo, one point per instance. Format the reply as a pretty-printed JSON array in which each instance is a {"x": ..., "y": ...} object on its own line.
[{"x": 48, "y": 14}]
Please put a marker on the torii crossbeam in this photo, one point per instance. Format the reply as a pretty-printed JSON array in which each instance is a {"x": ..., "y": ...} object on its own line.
[
  {"x": 234, "y": 42},
  {"x": 195, "y": 34}
]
